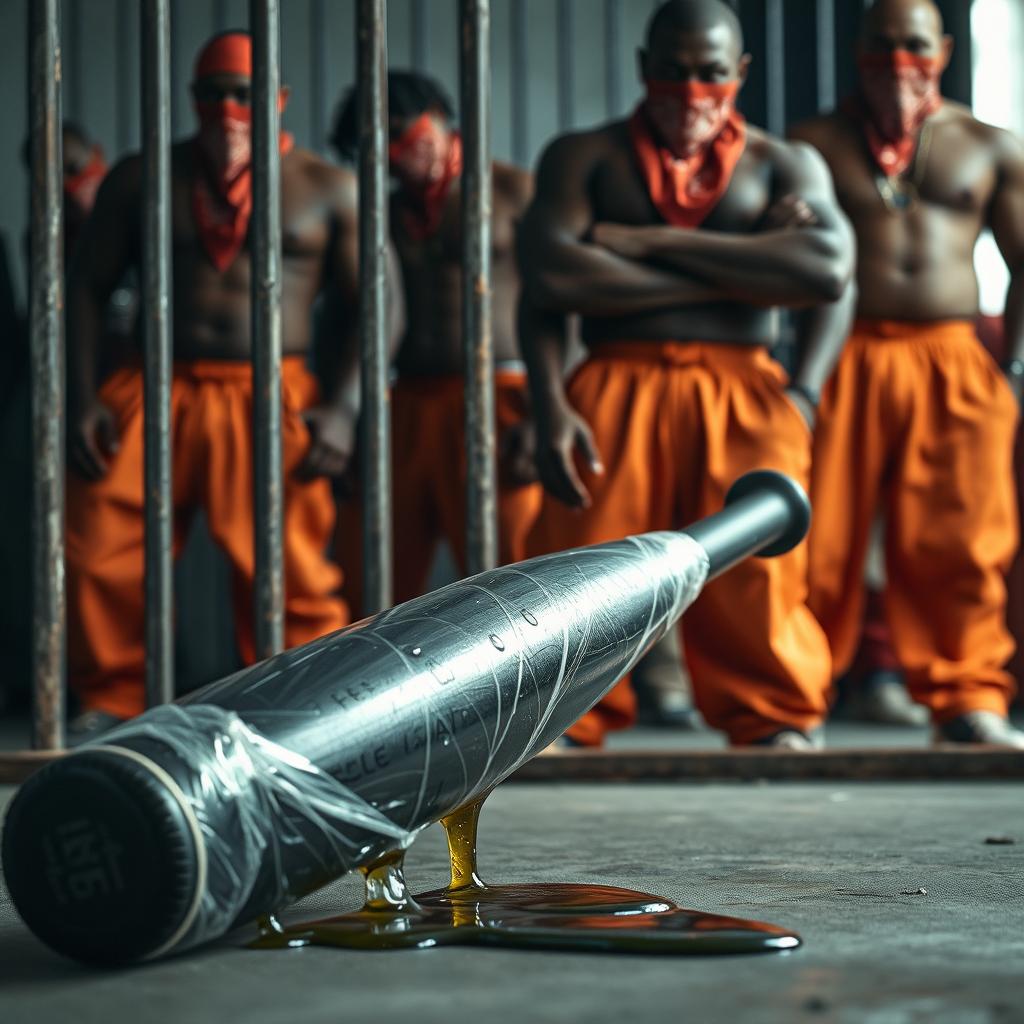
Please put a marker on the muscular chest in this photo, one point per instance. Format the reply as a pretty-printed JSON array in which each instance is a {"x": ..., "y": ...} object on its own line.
[
  {"x": 951, "y": 177},
  {"x": 424, "y": 260},
  {"x": 619, "y": 195},
  {"x": 305, "y": 224}
]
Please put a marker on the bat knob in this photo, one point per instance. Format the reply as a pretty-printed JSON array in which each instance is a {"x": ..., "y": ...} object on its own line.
[{"x": 764, "y": 484}]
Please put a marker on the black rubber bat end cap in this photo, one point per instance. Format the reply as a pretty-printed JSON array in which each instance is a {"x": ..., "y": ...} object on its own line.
[
  {"x": 762, "y": 481},
  {"x": 100, "y": 857}
]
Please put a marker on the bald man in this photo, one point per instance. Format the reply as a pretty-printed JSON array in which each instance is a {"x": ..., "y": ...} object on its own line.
[
  {"x": 919, "y": 419},
  {"x": 674, "y": 234},
  {"x": 211, "y": 392}
]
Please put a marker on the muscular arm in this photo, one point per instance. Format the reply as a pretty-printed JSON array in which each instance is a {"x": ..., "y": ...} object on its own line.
[
  {"x": 561, "y": 432},
  {"x": 772, "y": 268},
  {"x": 332, "y": 424},
  {"x": 1006, "y": 218},
  {"x": 562, "y": 272},
  {"x": 106, "y": 249},
  {"x": 821, "y": 332},
  {"x": 341, "y": 304}
]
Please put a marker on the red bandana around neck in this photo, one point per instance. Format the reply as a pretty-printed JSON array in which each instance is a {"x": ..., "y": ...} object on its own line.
[
  {"x": 222, "y": 189},
  {"x": 709, "y": 131},
  {"x": 427, "y": 160},
  {"x": 899, "y": 91}
]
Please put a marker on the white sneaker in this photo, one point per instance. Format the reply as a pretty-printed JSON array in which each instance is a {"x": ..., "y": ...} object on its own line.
[
  {"x": 791, "y": 739},
  {"x": 982, "y": 727}
]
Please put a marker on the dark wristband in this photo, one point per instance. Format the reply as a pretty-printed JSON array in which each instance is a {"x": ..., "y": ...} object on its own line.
[{"x": 812, "y": 396}]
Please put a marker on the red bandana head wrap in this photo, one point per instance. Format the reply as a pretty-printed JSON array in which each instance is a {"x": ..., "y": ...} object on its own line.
[
  {"x": 426, "y": 159},
  {"x": 222, "y": 190},
  {"x": 688, "y": 138},
  {"x": 899, "y": 91}
]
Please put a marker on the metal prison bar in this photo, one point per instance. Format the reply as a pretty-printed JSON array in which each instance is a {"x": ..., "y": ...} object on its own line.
[
  {"x": 375, "y": 464},
  {"x": 157, "y": 334},
  {"x": 46, "y": 318},
  {"x": 477, "y": 333},
  {"x": 268, "y": 499},
  {"x": 46, "y": 339}
]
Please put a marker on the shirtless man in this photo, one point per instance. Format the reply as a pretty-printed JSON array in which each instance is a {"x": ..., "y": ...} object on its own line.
[
  {"x": 211, "y": 396},
  {"x": 666, "y": 226},
  {"x": 428, "y": 434},
  {"x": 918, "y": 418}
]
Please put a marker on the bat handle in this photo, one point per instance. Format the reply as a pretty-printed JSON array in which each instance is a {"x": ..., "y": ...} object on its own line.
[{"x": 766, "y": 514}]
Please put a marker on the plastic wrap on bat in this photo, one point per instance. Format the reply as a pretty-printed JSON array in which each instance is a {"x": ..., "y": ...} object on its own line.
[{"x": 257, "y": 789}]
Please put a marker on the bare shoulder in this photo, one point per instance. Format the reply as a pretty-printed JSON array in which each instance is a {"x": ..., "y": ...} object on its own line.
[
  {"x": 512, "y": 183},
  {"x": 337, "y": 186},
  {"x": 1005, "y": 146},
  {"x": 581, "y": 150},
  {"x": 126, "y": 175}
]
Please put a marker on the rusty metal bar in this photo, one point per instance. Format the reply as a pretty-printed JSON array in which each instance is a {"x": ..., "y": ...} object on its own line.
[
  {"x": 268, "y": 498},
  {"x": 371, "y": 71},
  {"x": 612, "y": 60},
  {"x": 775, "y": 65},
  {"x": 477, "y": 334},
  {"x": 519, "y": 46},
  {"x": 565, "y": 34},
  {"x": 156, "y": 337},
  {"x": 46, "y": 338},
  {"x": 825, "y": 24}
]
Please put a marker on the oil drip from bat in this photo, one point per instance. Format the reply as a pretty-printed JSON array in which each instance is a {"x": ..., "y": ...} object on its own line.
[{"x": 470, "y": 912}]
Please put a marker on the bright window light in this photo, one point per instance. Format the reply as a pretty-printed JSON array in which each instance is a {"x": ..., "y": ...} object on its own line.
[{"x": 997, "y": 40}]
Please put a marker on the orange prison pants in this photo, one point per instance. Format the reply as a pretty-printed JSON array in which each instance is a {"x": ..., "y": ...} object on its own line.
[
  {"x": 211, "y": 425},
  {"x": 919, "y": 419},
  {"x": 675, "y": 424},
  {"x": 428, "y": 440}
]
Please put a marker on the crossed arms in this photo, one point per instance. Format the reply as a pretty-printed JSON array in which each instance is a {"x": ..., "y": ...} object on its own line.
[{"x": 802, "y": 257}]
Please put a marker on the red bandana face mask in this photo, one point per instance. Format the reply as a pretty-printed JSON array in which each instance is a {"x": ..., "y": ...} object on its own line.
[
  {"x": 222, "y": 194},
  {"x": 689, "y": 116},
  {"x": 899, "y": 92},
  {"x": 80, "y": 196},
  {"x": 225, "y": 138},
  {"x": 688, "y": 138},
  {"x": 80, "y": 189},
  {"x": 426, "y": 159}
]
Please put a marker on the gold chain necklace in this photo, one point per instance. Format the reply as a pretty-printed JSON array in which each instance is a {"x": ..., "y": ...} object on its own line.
[{"x": 901, "y": 194}]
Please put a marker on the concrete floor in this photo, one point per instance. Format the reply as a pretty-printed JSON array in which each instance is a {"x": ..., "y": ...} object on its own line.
[{"x": 831, "y": 862}]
